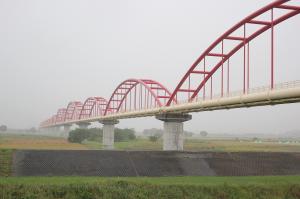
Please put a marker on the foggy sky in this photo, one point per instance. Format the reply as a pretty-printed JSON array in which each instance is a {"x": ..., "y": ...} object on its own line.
[{"x": 56, "y": 51}]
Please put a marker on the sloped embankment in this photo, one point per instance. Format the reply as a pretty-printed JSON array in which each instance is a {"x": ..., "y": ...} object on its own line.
[{"x": 152, "y": 163}]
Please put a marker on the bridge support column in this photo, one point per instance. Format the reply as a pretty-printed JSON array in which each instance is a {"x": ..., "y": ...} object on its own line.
[
  {"x": 56, "y": 129},
  {"x": 49, "y": 130},
  {"x": 83, "y": 125},
  {"x": 66, "y": 130},
  {"x": 108, "y": 138},
  {"x": 173, "y": 136},
  {"x": 67, "y": 127},
  {"x": 46, "y": 131}
]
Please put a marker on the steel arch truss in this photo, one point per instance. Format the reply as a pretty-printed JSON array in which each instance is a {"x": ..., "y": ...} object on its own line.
[
  {"x": 73, "y": 111},
  {"x": 93, "y": 107},
  {"x": 221, "y": 54},
  {"x": 137, "y": 94},
  {"x": 49, "y": 121},
  {"x": 60, "y": 116}
]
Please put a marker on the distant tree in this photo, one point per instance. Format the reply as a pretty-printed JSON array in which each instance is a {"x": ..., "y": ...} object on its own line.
[
  {"x": 95, "y": 134},
  {"x": 33, "y": 130},
  {"x": 124, "y": 134},
  {"x": 153, "y": 138},
  {"x": 152, "y": 132},
  {"x": 188, "y": 133},
  {"x": 3, "y": 128},
  {"x": 78, "y": 135},
  {"x": 203, "y": 133}
]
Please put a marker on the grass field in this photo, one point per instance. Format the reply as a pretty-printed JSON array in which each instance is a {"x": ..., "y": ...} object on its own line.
[
  {"x": 230, "y": 145},
  {"x": 188, "y": 187},
  {"x": 269, "y": 187},
  {"x": 5, "y": 162},
  {"x": 13, "y": 141},
  {"x": 184, "y": 180}
]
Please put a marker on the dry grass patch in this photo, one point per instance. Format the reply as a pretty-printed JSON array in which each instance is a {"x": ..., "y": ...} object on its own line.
[{"x": 37, "y": 142}]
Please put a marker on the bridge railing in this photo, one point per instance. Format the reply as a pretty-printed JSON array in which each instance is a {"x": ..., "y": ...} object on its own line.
[{"x": 280, "y": 86}]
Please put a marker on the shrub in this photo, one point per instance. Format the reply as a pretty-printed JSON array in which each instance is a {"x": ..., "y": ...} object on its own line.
[
  {"x": 124, "y": 134},
  {"x": 153, "y": 138},
  {"x": 3, "y": 128},
  {"x": 203, "y": 133},
  {"x": 95, "y": 134},
  {"x": 153, "y": 131},
  {"x": 78, "y": 135}
]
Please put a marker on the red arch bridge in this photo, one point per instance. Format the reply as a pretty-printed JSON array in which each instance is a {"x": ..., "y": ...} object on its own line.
[{"x": 207, "y": 85}]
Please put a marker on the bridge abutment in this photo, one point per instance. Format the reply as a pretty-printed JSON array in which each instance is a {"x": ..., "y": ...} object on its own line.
[
  {"x": 108, "y": 138},
  {"x": 173, "y": 136}
]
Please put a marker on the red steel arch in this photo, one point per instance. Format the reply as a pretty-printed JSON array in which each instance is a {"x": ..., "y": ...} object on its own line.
[
  {"x": 73, "y": 111},
  {"x": 137, "y": 94},
  {"x": 48, "y": 121},
  {"x": 242, "y": 40},
  {"x": 92, "y": 107},
  {"x": 60, "y": 116},
  {"x": 53, "y": 119}
]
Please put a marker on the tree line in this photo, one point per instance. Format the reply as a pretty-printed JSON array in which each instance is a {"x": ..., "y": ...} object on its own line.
[{"x": 96, "y": 134}]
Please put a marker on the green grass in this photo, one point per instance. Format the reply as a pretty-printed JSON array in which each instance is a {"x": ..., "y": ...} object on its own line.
[
  {"x": 184, "y": 180},
  {"x": 8, "y": 136},
  {"x": 268, "y": 187},
  {"x": 92, "y": 144},
  {"x": 38, "y": 142},
  {"x": 261, "y": 187},
  {"x": 229, "y": 145},
  {"x": 5, "y": 162},
  {"x": 15, "y": 141}
]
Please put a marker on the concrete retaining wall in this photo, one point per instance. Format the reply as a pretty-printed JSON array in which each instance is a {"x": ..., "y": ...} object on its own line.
[{"x": 152, "y": 163}]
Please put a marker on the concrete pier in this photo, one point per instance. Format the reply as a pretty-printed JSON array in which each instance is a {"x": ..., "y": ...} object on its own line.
[
  {"x": 56, "y": 131},
  {"x": 173, "y": 136},
  {"x": 67, "y": 128},
  {"x": 108, "y": 133}
]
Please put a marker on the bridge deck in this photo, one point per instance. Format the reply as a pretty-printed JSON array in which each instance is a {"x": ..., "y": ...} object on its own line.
[{"x": 283, "y": 93}]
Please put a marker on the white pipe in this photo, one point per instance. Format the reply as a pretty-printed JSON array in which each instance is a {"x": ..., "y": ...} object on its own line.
[{"x": 269, "y": 97}]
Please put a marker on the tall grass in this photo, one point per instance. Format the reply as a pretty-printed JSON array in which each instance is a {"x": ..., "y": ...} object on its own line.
[
  {"x": 124, "y": 189},
  {"x": 5, "y": 162}
]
